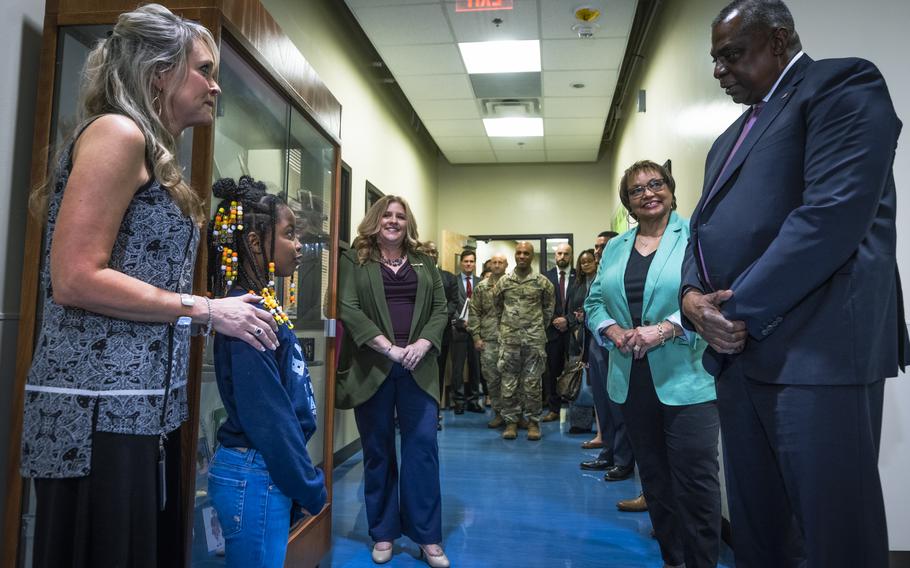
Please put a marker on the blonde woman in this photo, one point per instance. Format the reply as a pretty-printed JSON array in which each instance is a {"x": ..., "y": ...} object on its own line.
[
  {"x": 393, "y": 307},
  {"x": 107, "y": 383}
]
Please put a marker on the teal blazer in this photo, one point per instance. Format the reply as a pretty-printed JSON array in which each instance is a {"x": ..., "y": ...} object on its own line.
[
  {"x": 363, "y": 310},
  {"x": 679, "y": 376}
]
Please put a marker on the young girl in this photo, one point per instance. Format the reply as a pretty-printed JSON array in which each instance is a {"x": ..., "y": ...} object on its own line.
[{"x": 261, "y": 474}]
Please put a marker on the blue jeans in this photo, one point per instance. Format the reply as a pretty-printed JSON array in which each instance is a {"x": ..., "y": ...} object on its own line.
[{"x": 255, "y": 515}]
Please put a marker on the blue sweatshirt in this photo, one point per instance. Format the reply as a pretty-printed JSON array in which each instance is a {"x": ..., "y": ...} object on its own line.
[{"x": 270, "y": 406}]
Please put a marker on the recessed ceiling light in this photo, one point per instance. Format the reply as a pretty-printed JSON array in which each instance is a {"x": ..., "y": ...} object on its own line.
[
  {"x": 501, "y": 56},
  {"x": 513, "y": 127}
]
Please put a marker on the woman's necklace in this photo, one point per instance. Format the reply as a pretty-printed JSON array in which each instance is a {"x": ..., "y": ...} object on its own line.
[
  {"x": 393, "y": 262},
  {"x": 647, "y": 244}
]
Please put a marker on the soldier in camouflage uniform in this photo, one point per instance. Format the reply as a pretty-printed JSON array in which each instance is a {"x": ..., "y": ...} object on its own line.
[
  {"x": 483, "y": 323},
  {"x": 527, "y": 301}
]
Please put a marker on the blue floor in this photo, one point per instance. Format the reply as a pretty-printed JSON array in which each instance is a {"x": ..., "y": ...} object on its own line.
[{"x": 510, "y": 503}]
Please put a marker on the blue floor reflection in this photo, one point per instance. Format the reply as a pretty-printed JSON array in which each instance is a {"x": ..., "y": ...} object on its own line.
[{"x": 515, "y": 503}]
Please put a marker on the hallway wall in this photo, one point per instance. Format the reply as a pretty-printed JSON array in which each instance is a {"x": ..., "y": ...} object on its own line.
[
  {"x": 686, "y": 110},
  {"x": 21, "y": 25},
  {"x": 527, "y": 198}
]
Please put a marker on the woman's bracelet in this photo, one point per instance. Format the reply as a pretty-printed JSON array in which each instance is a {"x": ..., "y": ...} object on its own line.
[
  {"x": 208, "y": 324},
  {"x": 660, "y": 334}
]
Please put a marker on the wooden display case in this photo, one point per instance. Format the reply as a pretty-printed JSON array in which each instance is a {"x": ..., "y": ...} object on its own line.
[{"x": 278, "y": 122}]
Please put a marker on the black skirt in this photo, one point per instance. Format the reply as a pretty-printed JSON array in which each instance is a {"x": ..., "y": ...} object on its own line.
[{"x": 111, "y": 517}]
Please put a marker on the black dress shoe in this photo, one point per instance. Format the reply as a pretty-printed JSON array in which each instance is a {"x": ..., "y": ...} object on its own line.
[
  {"x": 597, "y": 464},
  {"x": 619, "y": 472},
  {"x": 474, "y": 407},
  {"x": 459, "y": 409}
]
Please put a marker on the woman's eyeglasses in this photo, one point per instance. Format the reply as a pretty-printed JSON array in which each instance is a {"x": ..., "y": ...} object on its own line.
[{"x": 655, "y": 185}]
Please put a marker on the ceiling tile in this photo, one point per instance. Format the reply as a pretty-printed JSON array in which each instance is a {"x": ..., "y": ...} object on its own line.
[
  {"x": 567, "y": 142},
  {"x": 419, "y": 87},
  {"x": 370, "y": 3},
  {"x": 518, "y": 23},
  {"x": 576, "y": 107},
  {"x": 563, "y": 54},
  {"x": 463, "y": 144},
  {"x": 535, "y": 143},
  {"x": 446, "y": 108},
  {"x": 521, "y": 155},
  {"x": 404, "y": 25},
  {"x": 439, "y": 128},
  {"x": 572, "y": 126},
  {"x": 596, "y": 83},
  {"x": 589, "y": 155},
  {"x": 418, "y": 59},
  {"x": 469, "y": 157},
  {"x": 558, "y": 16}
]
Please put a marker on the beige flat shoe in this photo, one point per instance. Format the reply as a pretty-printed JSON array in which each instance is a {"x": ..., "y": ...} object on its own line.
[
  {"x": 434, "y": 556},
  {"x": 382, "y": 551}
]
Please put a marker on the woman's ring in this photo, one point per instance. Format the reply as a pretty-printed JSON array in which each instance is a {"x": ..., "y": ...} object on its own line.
[
  {"x": 637, "y": 348},
  {"x": 257, "y": 331}
]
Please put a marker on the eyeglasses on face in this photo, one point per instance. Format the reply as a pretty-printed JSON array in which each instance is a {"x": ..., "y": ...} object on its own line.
[{"x": 655, "y": 185}]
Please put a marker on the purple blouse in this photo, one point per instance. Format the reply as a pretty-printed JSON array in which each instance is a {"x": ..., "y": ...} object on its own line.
[{"x": 400, "y": 293}]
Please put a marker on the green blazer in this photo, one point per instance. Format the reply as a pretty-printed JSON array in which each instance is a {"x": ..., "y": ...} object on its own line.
[
  {"x": 363, "y": 310},
  {"x": 679, "y": 376}
]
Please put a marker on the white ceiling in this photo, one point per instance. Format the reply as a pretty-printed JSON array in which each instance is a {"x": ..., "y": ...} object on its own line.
[{"x": 417, "y": 40}]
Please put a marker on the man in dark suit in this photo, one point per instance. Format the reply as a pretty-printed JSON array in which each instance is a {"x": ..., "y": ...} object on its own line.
[
  {"x": 448, "y": 285},
  {"x": 791, "y": 277},
  {"x": 562, "y": 276},
  {"x": 466, "y": 393}
]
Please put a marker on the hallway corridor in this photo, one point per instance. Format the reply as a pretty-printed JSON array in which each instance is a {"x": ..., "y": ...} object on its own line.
[{"x": 517, "y": 504}]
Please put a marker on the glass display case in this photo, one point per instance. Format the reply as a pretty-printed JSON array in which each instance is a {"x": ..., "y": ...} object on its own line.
[{"x": 275, "y": 121}]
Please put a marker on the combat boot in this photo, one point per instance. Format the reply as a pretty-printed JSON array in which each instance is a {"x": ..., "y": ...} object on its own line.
[
  {"x": 497, "y": 421},
  {"x": 523, "y": 423},
  {"x": 511, "y": 431},
  {"x": 533, "y": 431}
]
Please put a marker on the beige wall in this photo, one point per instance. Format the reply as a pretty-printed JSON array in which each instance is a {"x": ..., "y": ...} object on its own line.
[
  {"x": 377, "y": 140},
  {"x": 526, "y": 198},
  {"x": 686, "y": 110},
  {"x": 20, "y": 27}
]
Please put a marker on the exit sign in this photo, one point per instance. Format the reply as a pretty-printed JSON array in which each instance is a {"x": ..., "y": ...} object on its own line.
[{"x": 482, "y": 5}]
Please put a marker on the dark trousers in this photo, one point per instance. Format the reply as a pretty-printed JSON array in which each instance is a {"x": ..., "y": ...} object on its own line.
[
  {"x": 557, "y": 351},
  {"x": 676, "y": 451},
  {"x": 464, "y": 392},
  {"x": 617, "y": 447},
  {"x": 111, "y": 517},
  {"x": 410, "y": 505},
  {"x": 801, "y": 468}
]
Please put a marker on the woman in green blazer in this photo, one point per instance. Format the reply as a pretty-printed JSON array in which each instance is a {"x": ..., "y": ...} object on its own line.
[
  {"x": 655, "y": 373},
  {"x": 393, "y": 307}
]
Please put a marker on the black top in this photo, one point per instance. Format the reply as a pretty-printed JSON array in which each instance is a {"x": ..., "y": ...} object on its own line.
[
  {"x": 400, "y": 293},
  {"x": 636, "y": 274}
]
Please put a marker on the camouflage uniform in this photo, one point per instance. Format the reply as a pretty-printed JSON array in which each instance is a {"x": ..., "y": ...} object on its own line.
[
  {"x": 526, "y": 308},
  {"x": 483, "y": 323}
]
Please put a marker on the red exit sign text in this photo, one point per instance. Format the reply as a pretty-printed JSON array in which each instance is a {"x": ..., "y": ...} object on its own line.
[{"x": 482, "y": 5}]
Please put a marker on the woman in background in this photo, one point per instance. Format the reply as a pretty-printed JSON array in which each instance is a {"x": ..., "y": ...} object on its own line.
[{"x": 393, "y": 307}]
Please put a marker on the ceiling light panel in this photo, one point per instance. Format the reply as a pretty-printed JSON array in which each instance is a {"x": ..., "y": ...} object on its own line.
[
  {"x": 513, "y": 127},
  {"x": 566, "y": 54},
  {"x": 501, "y": 56}
]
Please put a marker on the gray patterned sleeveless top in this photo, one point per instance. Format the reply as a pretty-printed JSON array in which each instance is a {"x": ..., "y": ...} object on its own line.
[{"x": 96, "y": 373}]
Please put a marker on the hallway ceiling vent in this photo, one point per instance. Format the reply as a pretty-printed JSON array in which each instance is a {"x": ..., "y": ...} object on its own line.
[{"x": 503, "y": 108}]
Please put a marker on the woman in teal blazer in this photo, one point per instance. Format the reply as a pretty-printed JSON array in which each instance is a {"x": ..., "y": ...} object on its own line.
[
  {"x": 393, "y": 308},
  {"x": 655, "y": 370}
]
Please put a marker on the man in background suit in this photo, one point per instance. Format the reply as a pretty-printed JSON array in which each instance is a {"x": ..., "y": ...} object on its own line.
[
  {"x": 448, "y": 285},
  {"x": 466, "y": 394},
  {"x": 562, "y": 276},
  {"x": 791, "y": 277}
]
